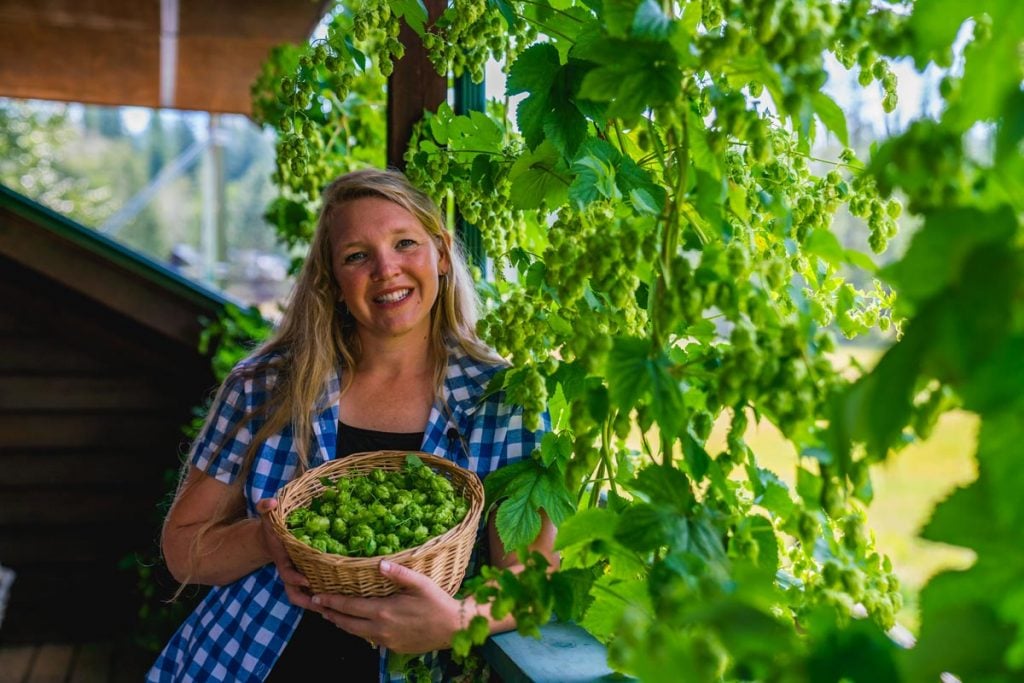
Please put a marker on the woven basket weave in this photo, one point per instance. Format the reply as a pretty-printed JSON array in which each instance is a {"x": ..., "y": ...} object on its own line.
[{"x": 443, "y": 558}]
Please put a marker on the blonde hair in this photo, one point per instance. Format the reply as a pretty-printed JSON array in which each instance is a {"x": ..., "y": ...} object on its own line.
[{"x": 315, "y": 336}]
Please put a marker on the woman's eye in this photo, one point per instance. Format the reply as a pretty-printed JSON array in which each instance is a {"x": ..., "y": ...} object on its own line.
[
  {"x": 354, "y": 256},
  {"x": 406, "y": 243}
]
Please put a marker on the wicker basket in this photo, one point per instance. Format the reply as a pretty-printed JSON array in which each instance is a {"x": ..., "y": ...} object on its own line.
[{"x": 443, "y": 558}]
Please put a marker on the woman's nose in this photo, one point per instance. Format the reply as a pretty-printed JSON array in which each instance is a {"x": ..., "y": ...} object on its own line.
[{"x": 385, "y": 266}]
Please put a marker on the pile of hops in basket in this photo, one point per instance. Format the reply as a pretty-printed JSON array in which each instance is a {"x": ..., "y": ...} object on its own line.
[{"x": 379, "y": 513}]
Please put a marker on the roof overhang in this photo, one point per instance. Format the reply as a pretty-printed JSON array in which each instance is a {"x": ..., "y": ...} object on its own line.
[{"x": 180, "y": 54}]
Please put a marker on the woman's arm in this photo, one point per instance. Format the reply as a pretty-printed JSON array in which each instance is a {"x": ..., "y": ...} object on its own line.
[
  {"x": 227, "y": 551},
  {"x": 501, "y": 558}
]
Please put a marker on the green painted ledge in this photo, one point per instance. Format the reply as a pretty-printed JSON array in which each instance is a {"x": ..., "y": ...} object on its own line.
[
  {"x": 564, "y": 653},
  {"x": 113, "y": 251}
]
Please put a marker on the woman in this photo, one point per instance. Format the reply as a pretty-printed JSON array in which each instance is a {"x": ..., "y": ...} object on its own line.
[{"x": 376, "y": 351}]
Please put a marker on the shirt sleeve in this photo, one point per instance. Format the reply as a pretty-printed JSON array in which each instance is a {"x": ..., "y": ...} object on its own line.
[{"x": 224, "y": 439}]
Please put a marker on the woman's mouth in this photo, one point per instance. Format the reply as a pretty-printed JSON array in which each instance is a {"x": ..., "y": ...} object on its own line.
[{"x": 393, "y": 297}]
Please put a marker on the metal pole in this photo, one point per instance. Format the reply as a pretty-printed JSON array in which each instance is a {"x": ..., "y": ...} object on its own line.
[{"x": 469, "y": 96}]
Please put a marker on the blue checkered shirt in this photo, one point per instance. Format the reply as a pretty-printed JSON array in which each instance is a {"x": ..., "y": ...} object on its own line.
[{"x": 238, "y": 631}]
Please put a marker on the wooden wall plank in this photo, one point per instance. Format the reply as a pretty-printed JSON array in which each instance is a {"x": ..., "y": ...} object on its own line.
[
  {"x": 8, "y": 321},
  {"x": 86, "y": 324},
  {"x": 126, "y": 394},
  {"x": 36, "y": 354},
  {"x": 16, "y": 662},
  {"x": 52, "y": 664},
  {"x": 82, "y": 467},
  {"x": 106, "y": 542},
  {"x": 92, "y": 663},
  {"x": 44, "y": 507},
  {"x": 147, "y": 432}
]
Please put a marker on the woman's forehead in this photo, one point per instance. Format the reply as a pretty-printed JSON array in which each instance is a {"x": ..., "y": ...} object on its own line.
[{"x": 371, "y": 216}]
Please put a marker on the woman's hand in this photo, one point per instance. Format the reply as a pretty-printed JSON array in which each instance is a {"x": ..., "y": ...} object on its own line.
[
  {"x": 296, "y": 586},
  {"x": 421, "y": 617}
]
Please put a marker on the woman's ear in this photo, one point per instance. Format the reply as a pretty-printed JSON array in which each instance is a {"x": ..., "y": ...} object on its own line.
[{"x": 444, "y": 261}]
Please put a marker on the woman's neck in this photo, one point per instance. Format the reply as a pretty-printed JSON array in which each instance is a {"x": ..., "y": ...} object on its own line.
[{"x": 396, "y": 359}]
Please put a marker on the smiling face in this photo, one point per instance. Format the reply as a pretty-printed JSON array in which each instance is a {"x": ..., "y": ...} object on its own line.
[{"x": 387, "y": 266}]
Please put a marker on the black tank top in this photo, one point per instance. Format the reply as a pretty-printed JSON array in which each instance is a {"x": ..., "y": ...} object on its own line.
[{"x": 316, "y": 641}]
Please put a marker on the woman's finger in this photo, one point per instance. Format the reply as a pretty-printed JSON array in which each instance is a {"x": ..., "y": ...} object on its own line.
[
  {"x": 299, "y": 598},
  {"x": 351, "y": 605}
]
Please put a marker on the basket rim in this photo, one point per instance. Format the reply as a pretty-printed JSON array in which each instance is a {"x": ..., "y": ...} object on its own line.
[{"x": 472, "y": 490}]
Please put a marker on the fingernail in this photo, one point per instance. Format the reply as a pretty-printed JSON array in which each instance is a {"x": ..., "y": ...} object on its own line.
[
  {"x": 317, "y": 600},
  {"x": 385, "y": 566}
]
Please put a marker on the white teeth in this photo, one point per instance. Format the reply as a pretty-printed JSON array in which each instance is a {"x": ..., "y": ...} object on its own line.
[{"x": 393, "y": 296}]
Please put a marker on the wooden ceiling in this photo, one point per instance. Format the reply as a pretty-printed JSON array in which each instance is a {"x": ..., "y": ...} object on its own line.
[{"x": 179, "y": 54}]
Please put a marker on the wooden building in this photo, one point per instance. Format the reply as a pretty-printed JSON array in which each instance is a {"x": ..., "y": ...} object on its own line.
[{"x": 99, "y": 371}]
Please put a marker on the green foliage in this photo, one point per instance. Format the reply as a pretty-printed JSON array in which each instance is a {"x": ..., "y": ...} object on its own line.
[
  {"x": 231, "y": 337},
  {"x": 675, "y": 266},
  {"x": 31, "y": 161},
  {"x": 325, "y": 103}
]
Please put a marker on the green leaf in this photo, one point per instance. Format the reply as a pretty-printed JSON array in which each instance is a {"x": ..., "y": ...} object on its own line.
[
  {"x": 961, "y": 630},
  {"x": 664, "y": 486},
  {"x": 555, "y": 449},
  {"x": 643, "y": 201},
  {"x": 565, "y": 126},
  {"x": 551, "y": 494},
  {"x": 440, "y": 121},
  {"x": 539, "y": 178},
  {"x": 595, "y": 173},
  {"x": 808, "y": 486},
  {"x": 477, "y": 132},
  {"x": 611, "y": 598},
  {"x": 619, "y": 16},
  {"x": 857, "y": 651},
  {"x": 860, "y": 260},
  {"x": 825, "y": 245},
  {"x": 504, "y": 481},
  {"x": 878, "y": 406},
  {"x": 831, "y": 116},
  {"x": 572, "y": 592},
  {"x": 628, "y": 371},
  {"x": 939, "y": 249},
  {"x": 533, "y": 71},
  {"x": 933, "y": 27},
  {"x": 700, "y": 153},
  {"x": 585, "y": 526},
  {"x": 531, "y": 115},
  {"x": 518, "y": 521},
  {"x": 987, "y": 82},
  {"x": 650, "y": 21},
  {"x": 996, "y": 384},
  {"x": 530, "y": 487},
  {"x": 636, "y": 182},
  {"x": 774, "y": 496},
  {"x": 413, "y": 11},
  {"x": 632, "y": 374},
  {"x": 600, "y": 85},
  {"x": 633, "y": 76},
  {"x": 697, "y": 459},
  {"x": 641, "y": 528}
]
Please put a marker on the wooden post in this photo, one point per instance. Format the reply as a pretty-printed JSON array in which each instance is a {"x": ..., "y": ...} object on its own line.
[{"x": 413, "y": 87}]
